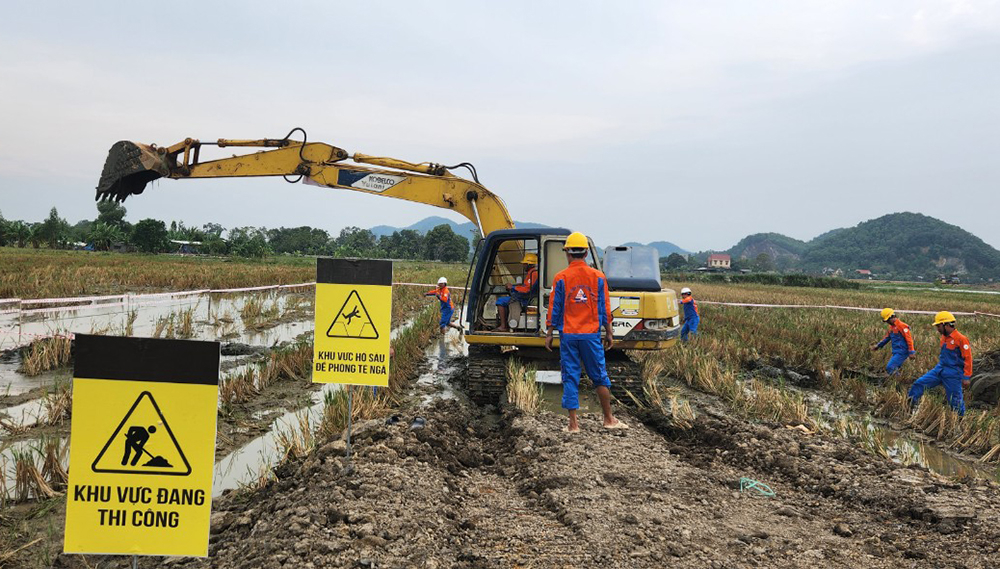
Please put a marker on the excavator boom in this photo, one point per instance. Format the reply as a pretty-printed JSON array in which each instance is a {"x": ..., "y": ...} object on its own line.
[
  {"x": 130, "y": 166},
  {"x": 645, "y": 318}
]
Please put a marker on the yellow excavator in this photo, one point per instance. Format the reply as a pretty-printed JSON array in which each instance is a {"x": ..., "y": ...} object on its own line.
[{"x": 645, "y": 316}]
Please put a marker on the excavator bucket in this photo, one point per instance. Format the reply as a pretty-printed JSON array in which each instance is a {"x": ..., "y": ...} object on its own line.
[{"x": 129, "y": 167}]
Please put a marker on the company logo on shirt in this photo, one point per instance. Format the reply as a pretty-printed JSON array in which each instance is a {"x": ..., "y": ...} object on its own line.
[{"x": 581, "y": 294}]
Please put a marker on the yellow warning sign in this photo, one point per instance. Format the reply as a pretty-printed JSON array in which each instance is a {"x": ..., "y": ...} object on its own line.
[
  {"x": 353, "y": 317},
  {"x": 142, "y": 458}
]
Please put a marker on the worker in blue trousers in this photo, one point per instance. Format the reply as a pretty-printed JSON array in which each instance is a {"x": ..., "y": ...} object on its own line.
[
  {"x": 579, "y": 308},
  {"x": 954, "y": 368},
  {"x": 902, "y": 341},
  {"x": 691, "y": 317},
  {"x": 447, "y": 308}
]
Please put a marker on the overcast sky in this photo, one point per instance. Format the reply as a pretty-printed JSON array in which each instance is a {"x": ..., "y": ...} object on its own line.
[{"x": 691, "y": 122}]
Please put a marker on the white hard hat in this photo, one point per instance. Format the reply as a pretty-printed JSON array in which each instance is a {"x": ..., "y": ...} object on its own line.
[
  {"x": 442, "y": 280},
  {"x": 685, "y": 290}
]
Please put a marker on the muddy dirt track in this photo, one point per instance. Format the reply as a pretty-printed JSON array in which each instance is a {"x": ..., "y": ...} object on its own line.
[{"x": 479, "y": 489}]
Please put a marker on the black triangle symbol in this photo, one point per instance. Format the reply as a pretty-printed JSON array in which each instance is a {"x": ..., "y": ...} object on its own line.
[
  {"x": 341, "y": 316},
  {"x": 166, "y": 426}
]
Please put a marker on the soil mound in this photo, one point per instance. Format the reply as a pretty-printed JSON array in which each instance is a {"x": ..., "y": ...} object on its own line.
[{"x": 471, "y": 489}]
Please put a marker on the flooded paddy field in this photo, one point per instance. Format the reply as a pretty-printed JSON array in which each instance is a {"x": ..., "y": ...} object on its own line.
[
  {"x": 265, "y": 388},
  {"x": 781, "y": 472}
]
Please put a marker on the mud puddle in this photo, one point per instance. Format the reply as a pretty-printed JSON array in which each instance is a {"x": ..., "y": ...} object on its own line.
[
  {"x": 878, "y": 436},
  {"x": 14, "y": 383},
  {"x": 875, "y": 434},
  {"x": 258, "y": 318},
  {"x": 551, "y": 384},
  {"x": 443, "y": 361},
  {"x": 34, "y": 448}
]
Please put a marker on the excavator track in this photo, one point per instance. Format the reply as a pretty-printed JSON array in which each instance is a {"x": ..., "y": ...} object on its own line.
[
  {"x": 486, "y": 377},
  {"x": 626, "y": 377}
]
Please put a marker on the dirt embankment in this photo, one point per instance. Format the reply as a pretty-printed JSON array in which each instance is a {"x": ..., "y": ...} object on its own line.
[{"x": 471, "y": 489}]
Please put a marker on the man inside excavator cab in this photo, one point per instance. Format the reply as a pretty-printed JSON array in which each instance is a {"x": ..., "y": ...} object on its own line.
[{"x": 521, "y": 293}]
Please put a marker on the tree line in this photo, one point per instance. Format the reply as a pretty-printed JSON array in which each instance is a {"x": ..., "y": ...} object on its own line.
[
  {"x": 109, "y": 230},
  {"x": 761, "y": 263}
]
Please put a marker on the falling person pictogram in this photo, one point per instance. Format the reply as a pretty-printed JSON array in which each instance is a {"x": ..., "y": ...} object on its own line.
[{"x": 353, "y": 322}]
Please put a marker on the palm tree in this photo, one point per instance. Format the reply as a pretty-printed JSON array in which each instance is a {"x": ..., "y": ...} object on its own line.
[
  {"x": 35, "y": 235},
  {"x": 20, "y": 232},
  {"x": 103, "y": 236}
]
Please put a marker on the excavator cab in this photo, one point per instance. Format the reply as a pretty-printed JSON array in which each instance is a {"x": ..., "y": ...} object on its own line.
[
  {"x": 497, "y": 264},
  {"x": 644, "y": 316}
]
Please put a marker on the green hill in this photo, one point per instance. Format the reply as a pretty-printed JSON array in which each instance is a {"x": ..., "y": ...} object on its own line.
[
  {"x": 903, "y": 245},
  {"x": 776, "y": 245}
]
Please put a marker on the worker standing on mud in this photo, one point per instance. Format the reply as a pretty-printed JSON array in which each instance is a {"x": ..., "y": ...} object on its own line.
[
  {"x": 578, "y": 308},
  {"x": 954, "y": 368},
  {"x": 522, "y": 293},
  {"x": 444, "y": 295},
  {"x": 902, "y": 341},
  {"x": 691, "y": 317}
]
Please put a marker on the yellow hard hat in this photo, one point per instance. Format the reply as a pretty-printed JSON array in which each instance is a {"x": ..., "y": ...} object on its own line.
[
  {"x": 529, "y": 259},
  {"x": 576, "y": 240},
  {"x": 887, "y": 314},
  {"x": 944, "y": 317}
]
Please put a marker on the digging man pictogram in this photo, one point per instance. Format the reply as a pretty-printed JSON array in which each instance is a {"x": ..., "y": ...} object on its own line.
[{"x": 135, "y": 440}]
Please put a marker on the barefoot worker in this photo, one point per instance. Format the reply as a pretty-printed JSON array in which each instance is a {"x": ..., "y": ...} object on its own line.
[
  {"x": 954, "y": 366},
  {"x": 578, "y": 308},
  {"x": 444, "y": 295},
  {"x": 902, "y": 341}
]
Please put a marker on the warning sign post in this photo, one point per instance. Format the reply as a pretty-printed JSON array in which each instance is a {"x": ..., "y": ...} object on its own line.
[
  {"x": 143, "y": 446},
  {"x": 353, "y": 316}
]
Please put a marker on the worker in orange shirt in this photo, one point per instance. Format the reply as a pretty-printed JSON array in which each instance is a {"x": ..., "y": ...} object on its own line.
[
  {"x": 447, "y": 309},
  {"x": 902, "y": 341},
  {"x": 954, "y": 368},
  {"x": 691, "y": 316},
  {"x": 579, "y": 308},
  {"x": 522, "y": 293}
]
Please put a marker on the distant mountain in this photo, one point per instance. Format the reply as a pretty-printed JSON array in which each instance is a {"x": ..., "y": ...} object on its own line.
[
  {"x": 424, "y": 225},
  {"x": 900, "y": 245},
  {"x": 905, "y": 244},
  {"x": 775, "y": 245},
  {"x": 664, "y": 247},
  {"x": 830, "y": 233}
]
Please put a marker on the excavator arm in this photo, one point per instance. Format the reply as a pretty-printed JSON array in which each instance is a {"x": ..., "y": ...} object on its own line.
[{"x": 130, "y": 166}]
